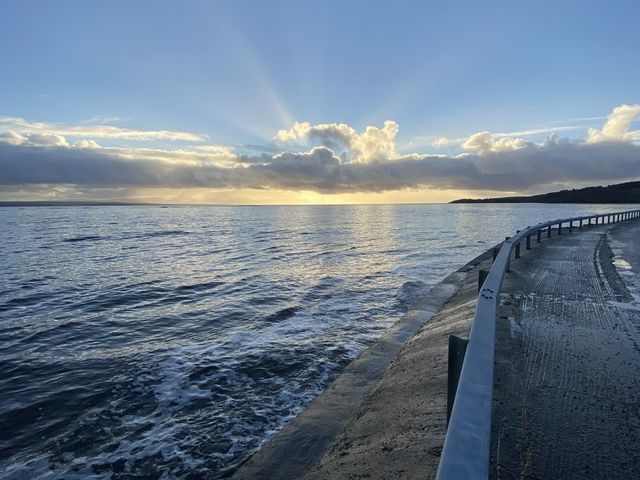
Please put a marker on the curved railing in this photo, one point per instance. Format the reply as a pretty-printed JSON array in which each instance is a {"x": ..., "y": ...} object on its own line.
[{"x": 467, "y": 447}]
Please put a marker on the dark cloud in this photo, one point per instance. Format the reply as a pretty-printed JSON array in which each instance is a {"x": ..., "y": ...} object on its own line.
[{"x": 321, "y": 170}]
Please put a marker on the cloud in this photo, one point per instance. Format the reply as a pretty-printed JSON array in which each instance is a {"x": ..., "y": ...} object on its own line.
[
  {"x": 46, "y": 140},
  {"x": 330, "y": 158},
  {"x": 441, "y": 142},
  {"x": 372, "y": 144},
  {"x": 617, "y": 126},
  {"x": 103, "y": 119},
  {"x": 20, "y": 125},
  {"x": 485, "y": 142},
  {"x": 86, "y": 144},
  {"x": 12, "y": 137}
]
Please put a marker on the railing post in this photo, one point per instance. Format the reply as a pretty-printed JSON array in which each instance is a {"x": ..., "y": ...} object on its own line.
[
  {"x": 482, "y": 276},
  {"x": 528, "y": 242},
  {"x": 518, "y": 250},
  {"x": 580, "y": 224},
  {"x": 549, "y": 231},
  {"x": 560, "y": 228},
  {"x": 506, "y": 239},
  {"x": 539, "y": 236},
  {"x": 457, "y": 350},
  {"x": 570, "y": 226}
]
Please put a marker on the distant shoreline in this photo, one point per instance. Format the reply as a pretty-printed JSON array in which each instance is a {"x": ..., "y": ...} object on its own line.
[
  {"x": 62, "y": 203},
  {"x": 628, "y": 192}
]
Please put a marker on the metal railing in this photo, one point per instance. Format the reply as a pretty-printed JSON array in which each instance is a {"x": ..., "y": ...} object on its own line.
[{"x": 467, "y": 447}]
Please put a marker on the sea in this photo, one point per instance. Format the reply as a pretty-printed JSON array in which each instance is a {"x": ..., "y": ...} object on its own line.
[{"x": 173, "y": 341}]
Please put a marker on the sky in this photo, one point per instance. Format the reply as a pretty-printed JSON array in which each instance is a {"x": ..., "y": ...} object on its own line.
[{"x": 328, "y": 101}]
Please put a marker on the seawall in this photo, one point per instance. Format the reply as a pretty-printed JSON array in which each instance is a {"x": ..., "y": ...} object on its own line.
[{"x": 386, "y": 413}]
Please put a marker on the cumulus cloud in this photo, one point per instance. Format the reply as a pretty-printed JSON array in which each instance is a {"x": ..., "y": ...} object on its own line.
[
  {"x": 86, "y": 144},
  {"x": 22, "y": 126},
  {"x": 372, "y": 144},
  {"x": 46, "y": 140},
  {"x": 329, "y": 158},
  {"x": 484, "y": 142},
  {"x": 617, "y": 126}
]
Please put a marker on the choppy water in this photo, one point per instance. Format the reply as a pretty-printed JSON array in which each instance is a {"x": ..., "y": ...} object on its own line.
[{"x": 171, "y": 342}]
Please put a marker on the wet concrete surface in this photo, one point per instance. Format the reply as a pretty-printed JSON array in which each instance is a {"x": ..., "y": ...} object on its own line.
[{"x": 567, "y": 381}]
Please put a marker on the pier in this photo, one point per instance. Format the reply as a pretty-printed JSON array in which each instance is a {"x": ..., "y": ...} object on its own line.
[
  {"x": 549, "y": 386},
  {"x": 567, "y": 380},
  {"x": 568, "y": 352}
]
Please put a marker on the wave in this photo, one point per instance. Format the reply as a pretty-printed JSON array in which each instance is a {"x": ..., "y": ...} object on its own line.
[
  {"x": 410, "y": 293},
  {"x": 85, "y": 238},
  {"x": 198, "y": 287},
  {"x": 283, "y": 314}
]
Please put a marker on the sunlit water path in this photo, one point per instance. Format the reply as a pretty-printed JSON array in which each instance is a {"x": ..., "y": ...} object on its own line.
[{"x": 173, "y": 341}]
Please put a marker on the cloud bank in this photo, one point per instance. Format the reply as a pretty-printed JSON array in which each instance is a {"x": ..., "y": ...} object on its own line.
[
  {"x": 325, "y": 158},
  {"x": 21, "y": 126}
]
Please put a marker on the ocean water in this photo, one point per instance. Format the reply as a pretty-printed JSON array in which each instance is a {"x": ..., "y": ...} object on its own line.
[{"x": 171, "y": 342}]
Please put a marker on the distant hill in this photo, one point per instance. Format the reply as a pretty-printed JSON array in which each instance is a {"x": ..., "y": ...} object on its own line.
[{"x": 628, "y": 192}]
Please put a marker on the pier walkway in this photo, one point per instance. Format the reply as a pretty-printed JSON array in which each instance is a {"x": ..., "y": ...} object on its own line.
[{"x": 567, "y": 379}]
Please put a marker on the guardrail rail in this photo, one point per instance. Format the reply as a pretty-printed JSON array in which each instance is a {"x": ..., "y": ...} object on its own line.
[{"x": 467, "y": 447}]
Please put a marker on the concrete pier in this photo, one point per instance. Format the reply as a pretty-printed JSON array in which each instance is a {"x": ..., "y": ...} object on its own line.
[{"x": 567, "y": 379}]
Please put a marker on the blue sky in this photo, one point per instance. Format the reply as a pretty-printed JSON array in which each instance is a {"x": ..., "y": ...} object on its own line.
[{"x": 238, "y": 72}]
